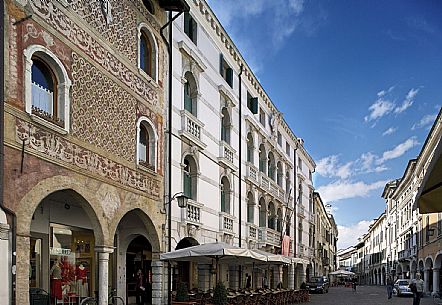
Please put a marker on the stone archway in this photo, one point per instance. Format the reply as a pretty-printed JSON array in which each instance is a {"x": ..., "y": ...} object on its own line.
[{"x": 80, "y": 195}]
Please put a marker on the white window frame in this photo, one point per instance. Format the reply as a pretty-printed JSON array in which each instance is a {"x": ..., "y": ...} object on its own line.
[
  {"x": 152, "y": 142},
  {"x": 146, "y": 28}
]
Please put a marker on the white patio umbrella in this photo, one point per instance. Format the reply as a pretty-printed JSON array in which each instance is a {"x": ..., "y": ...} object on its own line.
[
  {"x": 276, "y": 259},
  {"x": 342, "y": 273}
]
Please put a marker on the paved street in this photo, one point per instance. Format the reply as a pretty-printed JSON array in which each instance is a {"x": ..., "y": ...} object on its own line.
[{"x": 365, "y": 295}]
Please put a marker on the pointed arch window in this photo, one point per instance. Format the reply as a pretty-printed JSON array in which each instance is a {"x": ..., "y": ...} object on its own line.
[
  {"x": 262, "y": 213},
  {"x": 190, "y": 177},
  {"x": 262, "y": 159},
  {"x": 271, "y": 166},
  {"x": 225, "y": 195},
  {"x": 250, "y": 208},
  {"x": 280, "y": 174},
  {"x": 250, "y": 148}
]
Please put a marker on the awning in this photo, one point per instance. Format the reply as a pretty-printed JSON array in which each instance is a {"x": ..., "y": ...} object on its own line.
[
  {"x": 429, "y": 197},
  {"x": 342, "y": 273},
  {"x": 218, "y": 251},
  {"x": 276, "y": 259}
]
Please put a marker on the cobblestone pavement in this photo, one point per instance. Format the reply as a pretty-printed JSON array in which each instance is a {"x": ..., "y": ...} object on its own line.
[{"x": 365, "y": 295}]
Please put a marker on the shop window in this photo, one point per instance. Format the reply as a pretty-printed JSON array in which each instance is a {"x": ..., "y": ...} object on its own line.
[
  {"x": 148, "y": 56},
  {"x": 47, "y": 87},
  {"x": 147, "y": 144},
  {"x": 190, "y": 27},
  {"x": 225, "y": 70}
]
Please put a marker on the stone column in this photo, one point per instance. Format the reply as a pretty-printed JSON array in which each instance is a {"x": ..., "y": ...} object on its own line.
[
  {"x": 103, "y": 273},
  {"x": 157, "y": 281},
  {"x": 435, "y": 280},
  {"x": 426, "y": 280},
  {"x": 291, "y": 276},
  {"x": 204, "y": 277},
  {"x": 5, "y": 268}
]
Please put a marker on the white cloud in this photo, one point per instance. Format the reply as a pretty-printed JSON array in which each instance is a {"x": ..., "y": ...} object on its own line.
[
  {"x": 389, "y": 131},
  {"x": 297, "y": 6},
  {"x": 342, "y": 189},
  {"x": 378, "y": 109},
  {"x": 348, "y": 235},
  {"x": 330, "y": 167},
  {"x": 425, "y": 121},
  {"x": 399, "y": 150},
  {"x": 407, "y": 102}
]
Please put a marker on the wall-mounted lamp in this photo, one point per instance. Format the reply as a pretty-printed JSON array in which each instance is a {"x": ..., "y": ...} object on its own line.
[{"x": 181, "y": 199}]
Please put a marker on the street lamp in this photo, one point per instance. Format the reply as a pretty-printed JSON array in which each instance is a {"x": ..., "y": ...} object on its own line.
[{"x": 181, "y": 198}]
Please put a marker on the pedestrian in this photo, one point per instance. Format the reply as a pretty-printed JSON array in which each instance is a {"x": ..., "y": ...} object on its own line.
[
  {"x": 417, "y": 287},
  {"x": 354, "y": 283},
  {"x": 140, "y": 287},
  {"x": 248, "y": 280},
  {"x": 389, "y": 286}
]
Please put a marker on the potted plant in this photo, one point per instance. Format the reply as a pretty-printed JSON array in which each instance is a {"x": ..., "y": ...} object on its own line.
[{"x": 220, "y": 294}]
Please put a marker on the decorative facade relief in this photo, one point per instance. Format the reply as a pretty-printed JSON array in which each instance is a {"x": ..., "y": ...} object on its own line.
[
  {"x": 88, "y": 44},
  {"x": 103, "y": 114},
  {"x": 58, "y": 148}
]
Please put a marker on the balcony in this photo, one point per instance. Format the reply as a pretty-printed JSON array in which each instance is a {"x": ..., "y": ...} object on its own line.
[
  {"x": 301, "y": 211},
  {"x": 407, "y": 254},
  {"x": 312, "y": 218},
  {"x": 252, "y": 232},
  {"x": 227, "y": 155},
  {"x": 269, "y": 236},
  {"x": 192, "y": 212},
  {"x": 226, "y": 222},
  {"x": 264, "y": 181},
  {"x": 252, "y": 173},
  {"x": 191, "y": 128}
]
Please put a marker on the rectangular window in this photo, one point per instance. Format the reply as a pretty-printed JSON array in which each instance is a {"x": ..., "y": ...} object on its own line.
[
  {"x": 299, "y": 163},
  {"x": 190, "y": 27},
  {"x": 225, "y": 70},
  {"x": 287, "y": 148},
  {"x": 262, "y": 117},
  {"x": 252, "y": 103},
  {"x": 279, "y": 139}
]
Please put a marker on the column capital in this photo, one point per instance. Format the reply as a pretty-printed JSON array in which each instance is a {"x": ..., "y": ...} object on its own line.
[{"x": 104, "y": 249}]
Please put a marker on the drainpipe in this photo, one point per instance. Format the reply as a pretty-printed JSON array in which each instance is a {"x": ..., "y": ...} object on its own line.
[
  {"x": 239, "y": 151},
  {"x": 2, "y": 153},
  {"x": 168, "y": 43}
]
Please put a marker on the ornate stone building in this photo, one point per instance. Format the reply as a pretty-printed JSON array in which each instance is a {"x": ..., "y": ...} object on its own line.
[{"x": 83, "y": 147}]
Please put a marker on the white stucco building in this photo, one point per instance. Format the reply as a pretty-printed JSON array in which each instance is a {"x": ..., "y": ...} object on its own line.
[{"x": 248, "y": 177}]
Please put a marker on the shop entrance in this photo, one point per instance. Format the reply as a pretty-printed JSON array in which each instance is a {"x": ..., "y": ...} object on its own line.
[
  {"x": 139, "y": 271},
  {"x": 62, "y": 257}
]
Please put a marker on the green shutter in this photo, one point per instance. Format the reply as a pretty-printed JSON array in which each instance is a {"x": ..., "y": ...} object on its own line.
[
  {"x": 187, "y": 185},
  {"x": 229, "y": 77},
  {"x": 187, "y": 98},
  {"x": 254, "y": 105},
  {"x": 221, "y": 66},
  {"x": 187, "y": 23},
  {"x": 223, "y": 201},
  {"x": 194, "y": 31}
]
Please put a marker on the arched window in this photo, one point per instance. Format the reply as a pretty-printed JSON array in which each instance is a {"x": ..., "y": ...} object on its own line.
[
  {"x": 225, "y": 195},
  {"x": 149, "y": 6},
  {"x": 262, "y": 159},
  {"x": 47, "y": 86},
  {"x": 147, "y": 141},
  {"x": 225, "y": 125},
  {"x": 271, "y": 216},
  {"x": 287, "y": 183},
  {"x": 190, "y": 93},
  {"x": 44, "y": 91},
  {"x": 189, "y": 178},
  {"x": 147, "y": 52},
  {"x": 279, "y": 220},
  {"x": 250, "y": 148},
  {"x": 271, "y": 166},
  {"x": 262, "y": 213},
  {"x": 280, "y": 174},
  {"x": 250, "y": 208},
  {"x": 287, "y": 225}
]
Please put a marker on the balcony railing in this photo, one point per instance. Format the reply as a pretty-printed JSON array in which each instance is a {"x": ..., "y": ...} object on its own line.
[
  {"x": 226, "y": 222},
  {"x": 252, "y": 172},
  {"x": 407, "y": 253},
  {"x": 268, "y": 236},
  {"x": 193, "y": 212},
  {"x": 191, "y": 128},
  {"x": 264, "y": 181},
  {"x": 252, "y": 231},
  {"x": 227, "y": 155}
]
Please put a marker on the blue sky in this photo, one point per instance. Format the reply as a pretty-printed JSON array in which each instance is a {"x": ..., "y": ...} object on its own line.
[{"x": 359, "y": 81}]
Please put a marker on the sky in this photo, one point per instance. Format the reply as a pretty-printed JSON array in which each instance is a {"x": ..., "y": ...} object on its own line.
[{"x": 359, "y": 81}]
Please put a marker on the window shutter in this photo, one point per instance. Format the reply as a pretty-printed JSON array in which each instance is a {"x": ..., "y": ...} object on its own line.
[
  {"x": 254, "y": 105},
  {"x": 187, "y": 185},
  {"x": 187, "y": 23},
  {"x": 221, "y": 66},
  {"x": 187, "y": 98},
  {"x": 194, "y": 31},
  {"x": 229, "y": 76}
]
